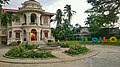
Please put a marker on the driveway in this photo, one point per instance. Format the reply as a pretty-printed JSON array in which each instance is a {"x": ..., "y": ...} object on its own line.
[{"x": 109, "y": 56}]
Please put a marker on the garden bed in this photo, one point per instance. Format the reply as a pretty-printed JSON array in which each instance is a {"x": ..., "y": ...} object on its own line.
[{"x": 28, "y": 51}]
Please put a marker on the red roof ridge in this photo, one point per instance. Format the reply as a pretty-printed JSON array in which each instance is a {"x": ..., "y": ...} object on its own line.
[{"x": 11, "y": 10}]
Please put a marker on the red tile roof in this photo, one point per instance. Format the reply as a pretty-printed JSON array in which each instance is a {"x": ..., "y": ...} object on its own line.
[{"x": 11, "y": 10}]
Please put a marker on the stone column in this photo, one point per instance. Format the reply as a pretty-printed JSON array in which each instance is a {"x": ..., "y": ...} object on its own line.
[
  {"x": 38, "y": 36},
  {"x": 13, "y": 36},
  {"x": 21, "y": 19},
  {"x": 38, "y": 21},
  {"x": 28, "y": 36},
  {"x": 28, "y": 19},
  {"x": 48, "y": 21},
  {"x": 42, "y": 20}
]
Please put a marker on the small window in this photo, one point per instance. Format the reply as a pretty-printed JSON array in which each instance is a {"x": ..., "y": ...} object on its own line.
[{"x": 17, "y": 35}]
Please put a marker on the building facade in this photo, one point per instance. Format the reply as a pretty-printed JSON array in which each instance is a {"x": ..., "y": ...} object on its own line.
[{"x": 33, "y": 24}]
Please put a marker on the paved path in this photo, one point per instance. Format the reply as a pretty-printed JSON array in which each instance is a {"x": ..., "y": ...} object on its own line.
[{"x": 109, "y": 56}]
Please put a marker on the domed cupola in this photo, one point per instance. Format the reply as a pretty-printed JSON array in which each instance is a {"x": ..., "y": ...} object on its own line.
[{"x": 31, "y": 5}]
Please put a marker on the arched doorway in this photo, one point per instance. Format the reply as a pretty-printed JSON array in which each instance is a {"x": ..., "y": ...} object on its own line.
[{"x": 33, "y": 35}]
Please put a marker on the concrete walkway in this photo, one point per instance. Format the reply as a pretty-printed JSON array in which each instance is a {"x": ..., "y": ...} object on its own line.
[{"x": 109, "y": 56}]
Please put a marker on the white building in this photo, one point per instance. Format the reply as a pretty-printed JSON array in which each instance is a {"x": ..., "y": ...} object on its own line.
[{"x": 33, "y": 24}]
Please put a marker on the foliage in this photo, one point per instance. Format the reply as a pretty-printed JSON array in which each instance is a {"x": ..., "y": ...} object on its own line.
[
  {"x": 4, "y": 2},
  {"x": 64, "y": 44},
  {"x": 63, "y": 29},
  {"x": 69, "y": 12},
  {"x": 4, "y": 42},
  {"x": 95, "y": 22},
  {"x": 8, "y": 17},
  {"x": 14, "y": 43},
  {"x": 18, "y": 42},
  {"x": 63, "y": 32},
  {"x": 77, "y": 28},
  {"x": 104, "y": 13},
  {"x": 1, "y": 4},
  {"x": 28, "y": 51},
  {"x": 77, "y": 49},
  {"x": 58, "y": 17},
  {"x": 29, "y": 47}
]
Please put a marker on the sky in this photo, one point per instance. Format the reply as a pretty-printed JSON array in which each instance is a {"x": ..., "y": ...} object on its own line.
[{"x": 52, "y": 5}]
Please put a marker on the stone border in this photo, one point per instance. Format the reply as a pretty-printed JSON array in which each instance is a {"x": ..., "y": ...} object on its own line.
[{"x": 94, "y": 52}]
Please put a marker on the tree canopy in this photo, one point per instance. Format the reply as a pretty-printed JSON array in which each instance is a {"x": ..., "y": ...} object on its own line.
[
  {"x": 58, "y": 17},
  {"x": 69, "y": 12},
  {"x": 104, "y": 13},
  {"x": 63, "y": 29},
  {"x": 4, "y": 2}
]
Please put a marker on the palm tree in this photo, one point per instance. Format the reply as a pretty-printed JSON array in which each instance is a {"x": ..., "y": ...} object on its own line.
[
  {"x": 69, "y": 12},
  {"x": 58, "y": 17}
]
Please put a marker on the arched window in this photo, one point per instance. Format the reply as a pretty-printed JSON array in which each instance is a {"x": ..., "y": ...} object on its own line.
[{"x": 33, "y": 18}]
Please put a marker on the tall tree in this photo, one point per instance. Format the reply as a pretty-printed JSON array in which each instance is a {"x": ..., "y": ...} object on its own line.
[
  {"x": 69, "y": 12},
  {"x": 108, "y": 9},
  {"x": 1, "y": 3},
  {"x": 8, "y": 17},
  {"x": 63, "y": 29},
  {"x": 95, "y": 22}
]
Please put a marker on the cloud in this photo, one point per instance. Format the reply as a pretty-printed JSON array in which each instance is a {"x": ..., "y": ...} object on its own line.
[
  {"x": 47, "y": 2},
  {"x": 17, "y": 3}
]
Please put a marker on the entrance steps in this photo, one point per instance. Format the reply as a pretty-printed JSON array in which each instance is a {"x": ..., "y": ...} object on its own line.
[{"x": 37, "y": 42}]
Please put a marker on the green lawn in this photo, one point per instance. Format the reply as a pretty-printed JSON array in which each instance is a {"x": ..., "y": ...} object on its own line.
[{"x": 90, "y": 43}]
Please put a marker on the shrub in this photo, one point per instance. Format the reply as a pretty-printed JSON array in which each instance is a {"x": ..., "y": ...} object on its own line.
[
  {"x": 4, "y": 42},
  {"x": 18, "y": 42},
  {"x": 14, "y": 43},
  {"x": 28, "y": 51},
  {"x": 64, "y": 45},
  {"x": 77, "y": 49},
  {"x": 29, "y": 46}
]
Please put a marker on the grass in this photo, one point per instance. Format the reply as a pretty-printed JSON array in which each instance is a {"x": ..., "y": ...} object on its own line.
[{"x": 90, "y": 43}]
